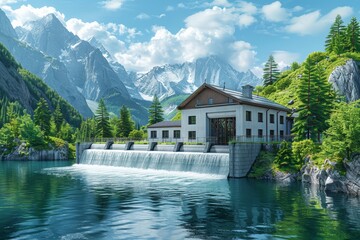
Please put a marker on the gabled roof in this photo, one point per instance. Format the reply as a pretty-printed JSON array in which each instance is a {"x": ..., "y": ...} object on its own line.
[
  {"x": 166, "y": 124},
  {"x": 238, "y": 97}
]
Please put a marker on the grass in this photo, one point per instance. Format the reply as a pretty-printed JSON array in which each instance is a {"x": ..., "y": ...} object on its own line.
[{"x": 263, "y": 163}]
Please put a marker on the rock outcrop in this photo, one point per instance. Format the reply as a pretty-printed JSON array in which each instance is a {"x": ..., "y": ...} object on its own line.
[
  {"x": 331, "y": 180},
  {"x": 22, "y": 152},
  {"x": 345, "y": 80}
]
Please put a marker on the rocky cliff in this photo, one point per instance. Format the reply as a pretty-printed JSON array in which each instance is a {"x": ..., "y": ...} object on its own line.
[
  {"x": 331, "y": 180},
  {"x": 345, "y": 80}
]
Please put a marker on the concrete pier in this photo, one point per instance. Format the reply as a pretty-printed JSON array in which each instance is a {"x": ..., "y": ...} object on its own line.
[{"x": 241, "y": 158}]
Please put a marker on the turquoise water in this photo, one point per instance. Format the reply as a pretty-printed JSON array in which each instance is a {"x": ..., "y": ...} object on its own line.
[{"x": 54, "y": 200}]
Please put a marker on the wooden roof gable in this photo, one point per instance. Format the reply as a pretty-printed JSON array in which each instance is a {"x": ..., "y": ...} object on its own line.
[{"x": 200, "y": 90}]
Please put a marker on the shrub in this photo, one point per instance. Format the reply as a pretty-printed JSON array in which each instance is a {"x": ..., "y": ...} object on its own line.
[
  {"x": 302, "y": 149},
  {"x": 284, "y": 159}
]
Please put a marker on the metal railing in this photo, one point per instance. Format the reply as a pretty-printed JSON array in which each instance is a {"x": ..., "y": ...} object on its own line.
[{"x": 198, "y": 140}]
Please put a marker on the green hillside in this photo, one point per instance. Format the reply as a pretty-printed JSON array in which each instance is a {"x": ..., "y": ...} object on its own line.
[
  {"x": 18, "y": 84},
  {"x": 168, "y": 102},
  {"x": 284, "y": 89}
]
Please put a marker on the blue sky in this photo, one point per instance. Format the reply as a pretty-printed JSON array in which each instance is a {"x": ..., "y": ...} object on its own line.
[{"x": 141, "y": 34}]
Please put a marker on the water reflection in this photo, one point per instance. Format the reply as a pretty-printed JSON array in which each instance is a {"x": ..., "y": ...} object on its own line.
[{"x": 93, "y": 202}]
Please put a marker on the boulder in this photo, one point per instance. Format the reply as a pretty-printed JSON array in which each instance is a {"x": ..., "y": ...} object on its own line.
[{"x": 345, "y": 80}]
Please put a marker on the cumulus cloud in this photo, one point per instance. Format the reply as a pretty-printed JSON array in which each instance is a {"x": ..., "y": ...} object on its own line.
[
  {"x": 221, "y": 3},
  {"x": 106, "y": 34},
  {"x": 142, "y": 16},
  {"x": 6, "y": 2},
  {"x": 247, "y": 7},
  {"x": 28, "y": 13},
  {"x": 112, "y": 4},
  {"x": 208, "y": 32},
  {"x": 314, "y": 22},
  {"x": 285, "y": 58},
  {"x": 274, "y": 12}
]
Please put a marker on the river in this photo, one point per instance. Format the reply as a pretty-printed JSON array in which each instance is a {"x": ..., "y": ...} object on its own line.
[{"x": 58, "y": 200}]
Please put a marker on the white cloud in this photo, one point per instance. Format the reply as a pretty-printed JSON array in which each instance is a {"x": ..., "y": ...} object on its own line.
[
  {"x": 285, "y": 58},
  {"x": 161, "y": 15},
  {"x": 170, "y": 8},
  {"x": 313, "y": 22},
  {"x": 274, "y": 12},
  {"x": 112, "y": 4},
  {"x": 6, "y": 2},
  {"x": 247, "y": 7},
  {"x": 221, "y": 3},
  {"x": 28, "y": 13},
  {"x": 208, "y": 32},
  {"x": 142, "y": 16},
  {"x": 297, "y": 8},
  {"x": 105, "y": 34}
]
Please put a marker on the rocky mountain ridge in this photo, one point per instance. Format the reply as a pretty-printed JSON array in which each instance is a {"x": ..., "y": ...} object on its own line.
[{"x": 185, "y": 78}]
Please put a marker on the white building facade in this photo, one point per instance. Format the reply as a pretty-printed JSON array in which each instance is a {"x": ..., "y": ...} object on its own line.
[{"x": 216, "y": 115}]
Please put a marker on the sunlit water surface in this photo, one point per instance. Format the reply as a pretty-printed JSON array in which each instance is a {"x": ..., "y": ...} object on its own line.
[{"x": 53, "y": 200}]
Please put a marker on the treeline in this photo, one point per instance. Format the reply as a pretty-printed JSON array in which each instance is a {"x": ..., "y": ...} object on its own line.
[
  {"x": 103, "y": 126},
  {"x": 40, "y": 131},
  {"x": 343, "y": 38}
]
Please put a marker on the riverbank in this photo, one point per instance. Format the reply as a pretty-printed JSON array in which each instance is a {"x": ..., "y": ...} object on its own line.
[
  {"x": 56, "y": 150},
  {"x": 327, "y": 177}
]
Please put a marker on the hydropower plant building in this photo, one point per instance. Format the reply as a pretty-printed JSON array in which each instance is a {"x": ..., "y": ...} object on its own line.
[{"x": 218, "y": 115}]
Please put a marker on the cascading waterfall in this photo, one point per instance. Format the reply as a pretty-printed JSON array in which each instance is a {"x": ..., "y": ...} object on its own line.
[{"x": 208, "y": 163}]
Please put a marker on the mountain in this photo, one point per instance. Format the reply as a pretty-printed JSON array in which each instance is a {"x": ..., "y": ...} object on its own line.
[
  {"x": 185, "y": 78},
  {"x": 17, "y": 84},
  {"x": 72, "y": 67},
  {"x": 87, "y": 67},
  {"x": 5, "y": 26},
  {"x": 118, "y": 68},
  {"x": 52, "y": 71}
]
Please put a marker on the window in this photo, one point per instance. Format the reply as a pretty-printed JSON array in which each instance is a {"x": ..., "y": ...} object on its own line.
[
  {"x": 165, "y": 134},
  {"x": 281, "y": 119},
  {"x": 272, "y": 133},
  {"x": 192, "y": 135},
  {"x": 210, "y": 101},
  {"x": 248, "y": 132},
  {"x": 153, "y": 134},
  {"x": 260, "y": 132},
  {"x": 192, "y": 120},
  {"x": 260, "y": 117},
  {"x": 272, "y": 117},
  {"x": 230, "y": 100},
  {"x": 248, "y": 115},
  {"x": 281, "y": 133},
  {"x": 176, "y": 133}
]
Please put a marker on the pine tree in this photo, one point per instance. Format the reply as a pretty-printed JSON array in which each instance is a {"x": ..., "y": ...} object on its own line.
[
  {"x": 58, "y": 118},
  {"x": 125, "y": 123},
  {"x": 42, "y": 116},
  {"x": 102, "y": 119},
  {"x": 271, "y": 71},
  {"x": 155, "y": 111},
  {"x": 336, "y": 37},
  {"x": 353, "y": 36},
  {"x": 325, "y": 97},
  {"x": 316, "y": 98},
  {"x": 304, "y": 126},
  {"x": 87, "y": 130}
]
